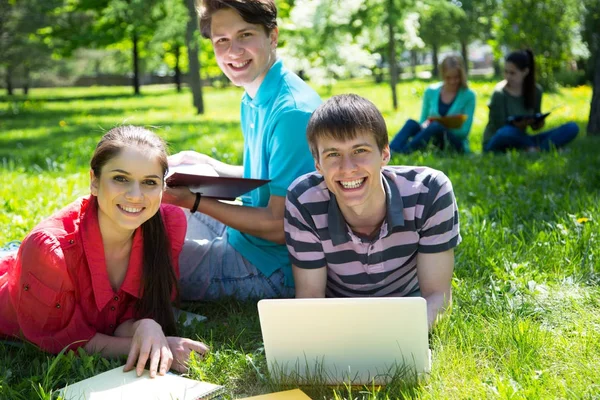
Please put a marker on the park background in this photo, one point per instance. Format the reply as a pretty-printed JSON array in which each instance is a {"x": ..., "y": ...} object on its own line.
[{"x": 526, "y": 316}]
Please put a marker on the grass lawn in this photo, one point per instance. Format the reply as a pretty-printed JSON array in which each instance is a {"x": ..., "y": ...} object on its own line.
[{"x": 525, "y": 322}]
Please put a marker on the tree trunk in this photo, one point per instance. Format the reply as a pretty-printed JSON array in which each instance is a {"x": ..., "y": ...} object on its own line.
[
  {"x": 413, "y": 62},
  {"x": 26, "y": 81},
  {"x": 434, "y": 61},
  {"x": 193, "y": 57},
  {"x": 464, "y": 49},
  {"x": 177, "y": 68},
  {"x": 593, "y": 128},
  {"x": 136, "y": 64},
  {"x": 8, "y": 80},
  {"x": 392, "y": 54}
]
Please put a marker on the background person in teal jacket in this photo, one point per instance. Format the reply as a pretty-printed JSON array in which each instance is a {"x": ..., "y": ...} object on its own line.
[{"x": 450, "y": 97}]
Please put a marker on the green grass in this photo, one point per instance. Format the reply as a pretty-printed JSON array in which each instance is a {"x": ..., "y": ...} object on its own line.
[{"x": 525, "y": 323}]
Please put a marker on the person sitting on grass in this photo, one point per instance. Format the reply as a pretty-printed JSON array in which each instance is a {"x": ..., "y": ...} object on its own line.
[
  {"x": 518, "y": 95},
  {"x": 359, "y": 228},
  {"x": 239, "y": 251},
  {"x": 102, "y": 273},
  {"x": 447, "y": 98}
]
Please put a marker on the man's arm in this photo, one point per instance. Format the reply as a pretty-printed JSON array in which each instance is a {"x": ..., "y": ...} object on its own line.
[
  {"x": 310, "y": 283},
  {"x": 263, "y": 222},
  {"x": 434, "y": 272}
]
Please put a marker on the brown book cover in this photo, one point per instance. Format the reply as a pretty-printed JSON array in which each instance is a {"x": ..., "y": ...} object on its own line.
[
  {"x": 450, "y": 121},
  {"x": 205, "y": 180}
]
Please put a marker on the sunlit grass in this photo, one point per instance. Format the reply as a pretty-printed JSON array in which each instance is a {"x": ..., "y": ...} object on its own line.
[{"x": 525, "y": 323}]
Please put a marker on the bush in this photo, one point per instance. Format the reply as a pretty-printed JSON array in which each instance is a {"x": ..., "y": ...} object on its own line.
[{"x": 570, "y": 78}]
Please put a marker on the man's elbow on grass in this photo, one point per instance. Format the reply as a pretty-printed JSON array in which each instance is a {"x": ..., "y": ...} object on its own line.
[{"x": 434, "y": 272}]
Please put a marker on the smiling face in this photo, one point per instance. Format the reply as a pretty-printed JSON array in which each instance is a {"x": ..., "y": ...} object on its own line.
[
  {"x": 129, "y": 190},
  {"x": 452, "y": 80},
  {"x": 244, "y": 51},
  {"x": 352, "y": 170},
  {"x": 514, "y": 76}
]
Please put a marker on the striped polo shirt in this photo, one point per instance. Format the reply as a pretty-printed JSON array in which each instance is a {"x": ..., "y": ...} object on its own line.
[{"x": 421, "y": 217}]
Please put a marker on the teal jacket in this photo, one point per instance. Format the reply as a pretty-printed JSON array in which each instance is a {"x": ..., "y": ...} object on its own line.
[{"x": 464, "y": 103}]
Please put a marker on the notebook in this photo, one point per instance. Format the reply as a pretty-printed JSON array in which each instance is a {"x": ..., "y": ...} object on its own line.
[
  {"x": 454, "y": 121},
  {"x": 349, "y": 340},
  {"x": 202, "y": 178},
  {"x": 295, "y": 394},
  {"x": 116, "y": 384}
]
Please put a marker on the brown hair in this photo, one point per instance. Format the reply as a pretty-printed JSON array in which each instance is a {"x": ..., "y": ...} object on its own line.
[
  {"x": 258, "y": 12},
  {"x": 158, "y": 277},
  {"x": 344, "y": 117},
  {"x": 523, "y": 59},
  {"x": 455, "y": 62}
]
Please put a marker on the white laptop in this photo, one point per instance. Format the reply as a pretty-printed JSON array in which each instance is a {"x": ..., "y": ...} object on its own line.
[{"x": 349, "y": 340}]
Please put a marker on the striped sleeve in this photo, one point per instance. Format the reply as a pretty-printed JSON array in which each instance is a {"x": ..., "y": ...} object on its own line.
[
  {"x": 301, "y": 237},
  {"x": 440, "y": 229}
]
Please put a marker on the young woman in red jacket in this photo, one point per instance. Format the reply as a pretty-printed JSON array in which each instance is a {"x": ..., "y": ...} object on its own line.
[{"x": 102, "y": 273}]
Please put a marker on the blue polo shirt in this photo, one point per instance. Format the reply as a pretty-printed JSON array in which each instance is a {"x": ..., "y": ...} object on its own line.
[{"x": 275, "y": 147}]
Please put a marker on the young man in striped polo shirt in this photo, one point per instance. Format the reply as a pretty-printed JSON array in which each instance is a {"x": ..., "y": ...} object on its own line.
[{"x": 358, "y": 227}]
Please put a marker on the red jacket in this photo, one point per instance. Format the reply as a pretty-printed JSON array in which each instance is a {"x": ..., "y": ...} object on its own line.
[{"x": 55, "y": 291}]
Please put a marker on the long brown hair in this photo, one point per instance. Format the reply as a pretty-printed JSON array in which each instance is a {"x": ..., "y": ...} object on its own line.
[
  {"x": 524, "y": 59},
  {"x": 158, "y": 277}
]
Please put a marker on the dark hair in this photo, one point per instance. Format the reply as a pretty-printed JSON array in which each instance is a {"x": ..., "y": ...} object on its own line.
[
  {"x": 344, "y": 117},
  {"x": 258, "y": 12},
  {"x": 158, "y": 277},
  {"x": 524, "y": 59}
]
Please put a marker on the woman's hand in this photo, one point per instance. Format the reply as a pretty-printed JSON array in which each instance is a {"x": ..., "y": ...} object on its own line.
[
  {"x": 181, "y": 349},
  {"x": 523, "y": 124},
  {"x": 149, "y": 342},
  {"x": 538, "y": 125}
]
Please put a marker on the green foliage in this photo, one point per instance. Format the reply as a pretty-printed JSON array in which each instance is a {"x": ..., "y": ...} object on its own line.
[
  {"x": 439, "y": 23},
  {"x": 545, "y": 26},
  {"x": 526, "y": 311}
]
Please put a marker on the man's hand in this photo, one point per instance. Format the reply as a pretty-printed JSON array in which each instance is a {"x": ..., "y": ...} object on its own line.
[
  {"x": 181, "y": 349},
  {"x": 434, "y": 272},
  {"x": 179, "y": 196},
  {"x": 149, "y": 342}
]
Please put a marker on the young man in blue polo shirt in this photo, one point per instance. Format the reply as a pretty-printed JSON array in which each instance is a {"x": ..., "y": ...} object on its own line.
[
  {"x": 358, "y": 227},
  {"x": 234, "y": 250}
]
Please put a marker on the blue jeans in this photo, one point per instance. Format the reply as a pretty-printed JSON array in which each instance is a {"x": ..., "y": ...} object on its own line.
[
  {"x": 402, "y": 143},
  {"x": 210, "y": 268},
  {"x": 510, "y": 137}
]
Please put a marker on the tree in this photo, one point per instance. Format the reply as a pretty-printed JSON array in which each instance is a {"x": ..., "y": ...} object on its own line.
[
  {"x": 439, "y": 22},
  {"x": 477, "y": 23},
  {"x": 591, "y": 35},
  {"x": 192, "y": 39},
  {"x": 22, "y": 50},
  {"x": 103, "y": 23},
  {"x": 546, "y": 27}
]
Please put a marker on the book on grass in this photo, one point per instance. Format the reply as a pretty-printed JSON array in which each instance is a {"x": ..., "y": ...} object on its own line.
[
  {"x": 202, "y": 178},
  {"x": 454, "y": 121},
  {"x": 537, "y": 117},
  {"x": 295, "y": 394},
  {"x": 116, "y": 384}
]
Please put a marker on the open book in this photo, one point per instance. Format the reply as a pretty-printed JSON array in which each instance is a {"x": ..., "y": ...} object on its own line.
[
  {"x": 116, "y": 384},
  {"x": 202, "y": 178},
  {"x": 537, "y": 117},
  {"x": 454, "y": 121}
]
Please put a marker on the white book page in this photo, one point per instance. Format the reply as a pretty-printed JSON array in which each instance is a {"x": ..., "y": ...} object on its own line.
[{"x": 193, "y": 169}]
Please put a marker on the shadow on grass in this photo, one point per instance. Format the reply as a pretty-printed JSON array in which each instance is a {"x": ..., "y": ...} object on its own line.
[
  {"x": 91, "y": 96},
  {"x": 74, "y": 144}
]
